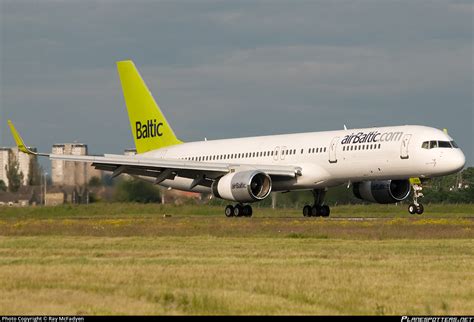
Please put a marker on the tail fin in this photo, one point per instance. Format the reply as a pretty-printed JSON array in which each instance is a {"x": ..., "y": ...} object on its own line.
[{"x": 150, "y": 130}]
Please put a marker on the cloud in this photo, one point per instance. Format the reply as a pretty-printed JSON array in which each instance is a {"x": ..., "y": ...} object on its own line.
[{"x": 222, "y": 69}]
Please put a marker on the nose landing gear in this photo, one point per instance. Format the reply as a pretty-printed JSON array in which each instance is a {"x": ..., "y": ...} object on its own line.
[
  {"x": 416, "y": 207},
  {"x": 318, "y": 209}
]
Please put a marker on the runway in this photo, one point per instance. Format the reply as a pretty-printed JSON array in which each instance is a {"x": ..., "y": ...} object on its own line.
[{"x": 276, "y": 218}]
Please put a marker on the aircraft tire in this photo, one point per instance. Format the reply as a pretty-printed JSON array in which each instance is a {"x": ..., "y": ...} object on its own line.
[
  {"x": 238, "y": 210},
  {"x": 307, "y": 211},
  {"x": 325, "y": 211},
  {"x": 229, "y": 211},
  {"x": 247, "y": 211},
  {"x": 420, "y": 209}
]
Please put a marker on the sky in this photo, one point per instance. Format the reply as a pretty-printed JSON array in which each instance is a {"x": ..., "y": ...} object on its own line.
[{"x": 221, "y": 69}]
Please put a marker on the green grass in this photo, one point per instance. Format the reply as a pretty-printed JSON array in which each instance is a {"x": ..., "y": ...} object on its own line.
[
  {"x": 129, "y": 259},
  {"x": 145, "y": 210},
  {"x": 225, "y": 275}
]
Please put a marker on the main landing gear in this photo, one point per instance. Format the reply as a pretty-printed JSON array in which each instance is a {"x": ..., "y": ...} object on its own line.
[
  {"x": 416, "y": 207},
  {"x": 318, "y": 209},
  {"x": 238, "y": 211}
]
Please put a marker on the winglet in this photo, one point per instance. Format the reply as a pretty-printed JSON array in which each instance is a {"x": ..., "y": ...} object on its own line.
[{"x": 19, "y": 141}]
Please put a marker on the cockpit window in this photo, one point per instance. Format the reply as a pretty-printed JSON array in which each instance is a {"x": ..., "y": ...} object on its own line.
[
  {"x": 438, "y": 144},
  {"x": 444, "y": 144}
]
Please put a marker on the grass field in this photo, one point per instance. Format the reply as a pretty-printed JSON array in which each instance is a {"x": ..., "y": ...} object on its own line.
[{"x": 129, "y": 259}]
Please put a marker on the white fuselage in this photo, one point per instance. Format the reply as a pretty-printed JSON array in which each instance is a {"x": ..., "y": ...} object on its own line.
[{"x": 328, "y": 158}]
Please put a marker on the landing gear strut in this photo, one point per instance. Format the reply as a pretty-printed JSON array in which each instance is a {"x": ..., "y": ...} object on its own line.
[
  {"x": 416, "y": 207},
  {"x": 318, "y": 209},
  {"x": 238, "y": 211}
]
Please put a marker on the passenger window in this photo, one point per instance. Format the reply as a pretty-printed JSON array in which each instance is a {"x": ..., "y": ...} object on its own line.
[{"x": 433, "y": 144}]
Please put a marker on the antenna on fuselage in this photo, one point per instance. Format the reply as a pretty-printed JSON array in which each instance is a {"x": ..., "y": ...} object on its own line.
[{"x": 345, "y": 127}]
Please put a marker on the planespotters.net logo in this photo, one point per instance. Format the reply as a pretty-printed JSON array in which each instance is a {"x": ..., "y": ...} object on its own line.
[
  {"x": 437, "y": 319},
  {"x": 372, "y": 137}
]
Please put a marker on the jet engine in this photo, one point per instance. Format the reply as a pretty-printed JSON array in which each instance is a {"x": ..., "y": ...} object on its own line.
[
  {"x": 243, "y": 186},
  {"x": 386, "y": 191}
]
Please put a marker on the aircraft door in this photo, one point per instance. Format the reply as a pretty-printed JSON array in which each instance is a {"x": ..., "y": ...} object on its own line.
[
  {"x": 163, "y": 153},
  {"x": 283, "y": 152},
  {"x": 275, "y": 153},
  {"x": 332, "y": 150},
  {"x": 404, "y": 146}
]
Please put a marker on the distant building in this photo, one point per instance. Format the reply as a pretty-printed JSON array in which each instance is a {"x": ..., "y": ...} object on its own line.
[
  {"x": 23, "y": 197},
  {"x": 24, "y": 161},
  {"x": 71, "y": 173},
  {"x": 60, "y": 195},
  {"x": 4, "y": 157},
  {"x": 54, "y": 198}
]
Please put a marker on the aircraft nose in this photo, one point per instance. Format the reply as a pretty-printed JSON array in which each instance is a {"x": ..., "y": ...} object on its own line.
[{"x": 459, "y": 160}]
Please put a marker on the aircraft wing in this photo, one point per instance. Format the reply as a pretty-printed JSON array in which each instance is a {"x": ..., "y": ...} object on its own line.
[{"x": 163, "y": 169}]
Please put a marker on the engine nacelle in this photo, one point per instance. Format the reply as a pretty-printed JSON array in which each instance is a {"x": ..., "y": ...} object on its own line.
[
  {"x": 243, "y": 186},
  {"x": 387, "y": 191}
]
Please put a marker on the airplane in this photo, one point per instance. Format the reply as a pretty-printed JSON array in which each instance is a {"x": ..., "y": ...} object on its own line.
[{"x": 383, "y": 164}]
